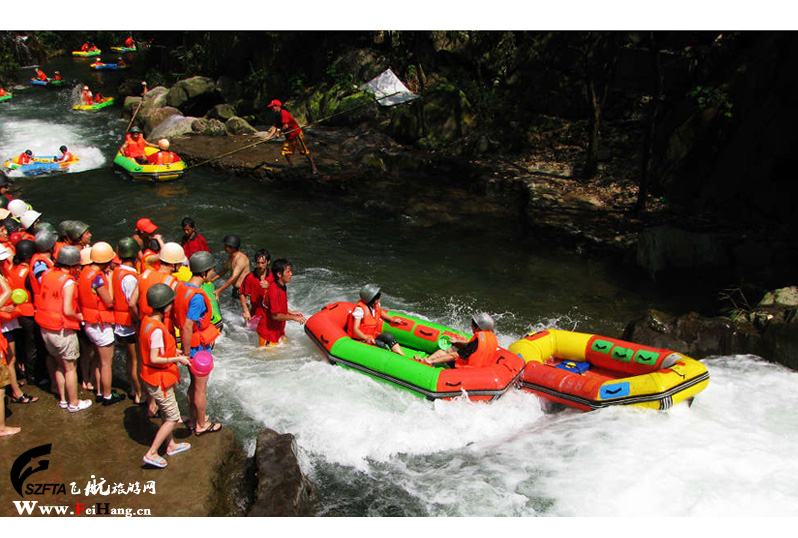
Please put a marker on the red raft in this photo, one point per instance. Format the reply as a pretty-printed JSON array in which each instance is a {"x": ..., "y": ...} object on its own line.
[{"x": 417, "y": 337}]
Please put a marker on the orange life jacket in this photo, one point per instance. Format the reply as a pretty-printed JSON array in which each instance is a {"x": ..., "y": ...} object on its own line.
[
  {"x": 122, "y": 315},
  {"x": 486, "y": 349},
  {"x": 148, "y": 279},
  {"x": 85, "y": 47},
  {"x": 129, "y": 42},
  {"x": 204, "y": 332},
  {"x": 66, "y": 157},
  {"x": 142, "y": 264},
  {"x": 3, "y": 349},
  {"x": 163, "y": 157},
  {"x": 50, "y": 302},
  {"x": 56, "y": 248},
  {"x": 93, "y": 307},
  {"x": 2, "y": 92},
  {"x": 87, "y": 98},
  {"x": 370, "y": 325},
  {"x": 163, "y": 376},
  {"x": 18, "y": 278},
  {"x": 23, "y": 159},
  {"x": 135, "y": 148},
  {"x": 41, "y": 75}
]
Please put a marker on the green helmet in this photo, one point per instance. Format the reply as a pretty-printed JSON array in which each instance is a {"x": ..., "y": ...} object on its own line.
[
  {"x": 482, "y": 321},
  {"x": 200, "y": 262},
  {"x": 77, "y": 229},
  {"x": 44, "y": 240},
  {"x": 45, "y": 226},
  {"x": 369, "y": 292},
  {"x": 68, "y": 255},
  {"x": 127, "y": 248},
  {"x": 135, "y": 130},
  {"x": 3, "y": 202},
  {"x": 63, "y": 228},
  {"x": 159, "y": 295}
]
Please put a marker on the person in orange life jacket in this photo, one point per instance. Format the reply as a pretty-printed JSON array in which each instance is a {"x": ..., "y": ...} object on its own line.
[
  {"x": 57, "y": 75},
  {"x": 133, "y": 147},
  {"x": 192, "y": 315},
  {"x": 93, "y": 48},
  {"x": 294, "y": 136},
  {"x": 124, "y": 282},
  {"x": 255, "y": 285},
  {"x": 3, "y": 92},
  {"x": 271, "y": 327},
  {"x": 58, "y": 317},
  {"x": 26, "y": 157},
  {"x": 84, "y": 47},
  {"x": 366, "y": 320},
  {"x": 27, "y": 345},
  {"x": 86, "y": 96},
  {"x": 99, "y": 98},
  {"x": 150, "y": 258},
  {"x": 163, "y": 155},
  {"x": 120, "y": 62},
  {"x": 129, "y": 43},
  {"x": 65, "y": 156},
  {"x": 9, "y": 318},
  {"x": 476, "y": 352},
  {"x": 143, "y": 88},
  {"x": 40, "y": 75},
  {"x": 237, "y": 264},
  {"x": 79, "y": 234},
  {"x": 89, "y": 362},
  {"x": 97, "y": 305},
  {"x": 159, "y": 373}
]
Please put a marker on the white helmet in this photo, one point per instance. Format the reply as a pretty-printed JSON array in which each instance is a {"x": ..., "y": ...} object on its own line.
[
  {"x": 17, "y": 207},
  {"x": 29, "y": 218},
  {"x": 172, "y": 253}
]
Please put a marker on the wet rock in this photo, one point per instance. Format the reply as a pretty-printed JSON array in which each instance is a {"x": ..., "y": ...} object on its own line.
[
  {"x": 282, "y": 488},
  {"x": 154, "y": 117}
]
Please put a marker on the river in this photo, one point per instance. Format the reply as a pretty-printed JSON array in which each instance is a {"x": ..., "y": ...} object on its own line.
[{"x": 373, "y": 450}]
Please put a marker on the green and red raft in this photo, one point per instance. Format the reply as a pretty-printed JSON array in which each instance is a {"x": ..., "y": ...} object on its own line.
[{"x": 418, "y": 338}]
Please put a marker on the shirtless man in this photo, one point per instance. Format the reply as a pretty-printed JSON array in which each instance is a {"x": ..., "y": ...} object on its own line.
[{"x": 237, "y": 264}]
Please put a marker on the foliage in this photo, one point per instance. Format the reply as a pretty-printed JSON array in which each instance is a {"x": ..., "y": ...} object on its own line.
[{"x": 709, "y": 97}]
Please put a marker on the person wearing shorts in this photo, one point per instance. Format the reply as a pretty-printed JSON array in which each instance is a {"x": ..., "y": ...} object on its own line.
[{"x": 294, "y": 136}]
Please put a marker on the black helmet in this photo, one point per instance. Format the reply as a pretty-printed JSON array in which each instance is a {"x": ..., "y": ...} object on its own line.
[
  {"x": 369, "y": 292},
  {"x": 25, "y": 250},
  {"x": 232, "y": 240},
  {"x": 63, "y": 228},
  {"x": 69, "y": 256},
  {"x": 44, "y": 240},
  {"x": 11, "y": 224},
  {"x": 159, "y": 295},
  {"x": 62, "y": 149},
  {"x": 200, "y": 262},
  {"x": 482, "y": 321},
  {"x": 127, "y": 248}
]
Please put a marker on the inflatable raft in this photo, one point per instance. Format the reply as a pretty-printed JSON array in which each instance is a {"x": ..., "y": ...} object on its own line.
[
  {"x": 590, "y": 372},
  {"x": 108, "y": 101},
  {"x": 50, "y": 82},
  {"x": 86, "y": 53},
  {"x": 6, "y": 97},
  {"x": 154, "y": 173},
  {"x": 107, "y": 66},
  {"x": 124, "y": 49},
  {"x": 417, "y": 337},
  {"x": 41, "y": 166}
]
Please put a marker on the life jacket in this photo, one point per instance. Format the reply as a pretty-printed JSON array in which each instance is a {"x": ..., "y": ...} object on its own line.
[
  {"x": 49, "y": 302},
  {"x": 99, "y": 98},
  {"x": 22, "y": 159},
  {"x": 483, "y": 356},
  {"x": 34, "y": 283},
  {"x": 8, "y": 316},
  {"x": 163, "y": 376},
  {"x": 66, "y": 157},
  {"x": 135, "y": 148},
  {"x": 57, "y": 77},
  {"x": 129, "y": 42},
  {"x": 84, "y": 47},
  {"x": 148, "y": 279},
  {"x": 11, "y": 247},
  {"x": 41, "y": 75},
  {"x": 122, "y": 315},
  {"x": 93, "y": 307},
  {"x": 3, "y": 349},
  {"x": 163, "y": 157},
  {"x": 56, "y": 248},
  {"x": 2, "y": 92},
  {"x": 87, "y": 98},
  {"x": 19, "y": 278},
  {"x": 370, "y": 325},
  {"x": 204, "y": 332}
]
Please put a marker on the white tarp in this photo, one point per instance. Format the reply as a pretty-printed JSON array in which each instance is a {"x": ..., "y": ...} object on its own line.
[{"x": 388, "y": 90}]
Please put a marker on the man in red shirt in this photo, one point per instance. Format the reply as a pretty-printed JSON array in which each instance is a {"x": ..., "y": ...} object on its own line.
[
  {"x": 271, "y": 328},
  {"x": 192, "y": 241},
  {"x": 294, "y": 136}
]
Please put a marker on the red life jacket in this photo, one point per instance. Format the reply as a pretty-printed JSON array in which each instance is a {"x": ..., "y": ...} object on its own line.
[
  {"x": 204, "y": 332},
  {"x": 50, "y": 302},
  {"x": 370, "y": 325},
  {"x": 163, "y": 157},
  {"x": 486, "y": 349},
  {"x": 148, "y": 279},
  {"x": 157, "y": 375},
  {"x": 18, "y": 278},
  {"x": 87, "y": 98},
  {"x": 8, "y": 316},
  {"x": 3, "y": 349},
  {"x": 94, "y": 309},
  {"x": 122, "y": 315}
]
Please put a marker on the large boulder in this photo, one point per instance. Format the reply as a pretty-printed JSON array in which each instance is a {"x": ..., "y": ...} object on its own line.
[
  {"x": 283, "y": 490},
  {"x": 222, "y": 112},
  {"x": 173, "y": 126},
  {"x": 237, "y": 126},
  {"x": 212, "y": 127},
  {"x": 194, "y": 96},
  {"x": 158, "y": 116}
]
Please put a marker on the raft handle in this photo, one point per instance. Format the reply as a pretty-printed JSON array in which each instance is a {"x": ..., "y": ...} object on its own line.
[{"x": 453, "y": 384}]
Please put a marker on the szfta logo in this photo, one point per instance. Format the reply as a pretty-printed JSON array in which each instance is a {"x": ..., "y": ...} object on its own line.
[{"x": 20, "y": 470}]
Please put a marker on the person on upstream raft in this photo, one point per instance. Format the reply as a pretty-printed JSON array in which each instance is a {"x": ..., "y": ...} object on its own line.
[
  {"x": 65, "y": 156},
  {"x": 26, "y": 157},
  {"x": 134, "y": 145},
  {"x": 40, "y": 75},
  {"x": 294, "y": 136},
  {"x": 476, "y": 352},
  {"x": 366, "y": 320},
  {"x": 57, "y": 75}
]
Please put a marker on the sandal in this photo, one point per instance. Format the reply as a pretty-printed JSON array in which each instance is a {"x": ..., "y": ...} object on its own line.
[
  {"x": 213, "y": 427},
  {"x": 24, "y": 399}
]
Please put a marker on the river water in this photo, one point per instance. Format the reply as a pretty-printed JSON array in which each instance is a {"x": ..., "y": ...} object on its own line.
[{"x": 374, "y": 450}]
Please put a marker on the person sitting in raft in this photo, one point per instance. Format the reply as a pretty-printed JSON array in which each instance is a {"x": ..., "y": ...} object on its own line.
[
  {"x": 473, "y": 353},
  {"x": 3, "y": 92},
  {"x": 66, "y": 156},
  {"x": 26, "y": 157},
  {"x": 365, "y": 321},
  {"x": 99, "y": 98},
  {"x": 120, "y": 62},
  {"x": 134, "y": 145},
  {"x": 85, "y": 47},
  {"x": 40, "y": 75},
  {"x": 57, "y": 75},
  {"x": 86, "y": 96},
  {"x": 163, "y": 155},
  {"x": 129, "y": 42},
  {"x": 93, "y": 48}
]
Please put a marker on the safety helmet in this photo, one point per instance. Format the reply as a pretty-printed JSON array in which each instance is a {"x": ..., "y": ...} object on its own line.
[
  {"x": 44, "y": 240},
  {"x": 102, "y": 252},
  {"x": 85, "y": 256},
  {"x": 63, "y": 149},
  {"x": 135, "y": 130},
  {"x": 69, "y": 255},
  {"x": 85, "y": 88},
  {"x": 77, "y": 229},
  {"x": 29, "y": 218},
  {"x": 44, "y": 226},
  {"x": 17, "y": 207},
  {"x": 63, "y": 227},
  {"x": 232, "y": 240},
  {"x": 482, "y": 321},
  {"x": 200, "y": 262},
  {"x": 4, "y": 213},
  {"x": 127, "y": 248},
  {"x": 369, "y": 292},
  {"x": 160, "y": 295},
  {"x": 25, "y": 249},
  {"x": 172, "y": 253},
  {"x": 163, "y": 144}
]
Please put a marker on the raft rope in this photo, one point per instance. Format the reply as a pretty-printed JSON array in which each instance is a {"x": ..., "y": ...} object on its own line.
[{"x": 285, "y": 133}]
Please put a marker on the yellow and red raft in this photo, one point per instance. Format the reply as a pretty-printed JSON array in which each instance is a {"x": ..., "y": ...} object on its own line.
[{"x": 588, "y": 372}]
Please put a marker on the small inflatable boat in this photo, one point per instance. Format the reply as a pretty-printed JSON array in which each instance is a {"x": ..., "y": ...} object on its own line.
[
  {"x": 108, "y": 101},
  {"x": 6, "y": 97},
  {"x": 41, "y": 166},
  {"x": 154, "y": 173},
  {"x": 124, "y": 49},
  {"x": 107, "y": 66},
  {"x": 50, "y": 82},
  {"x": 417, "y": 337},
  {"x": 86, "y": 53},
  {"x": 590, "y": 372}
]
